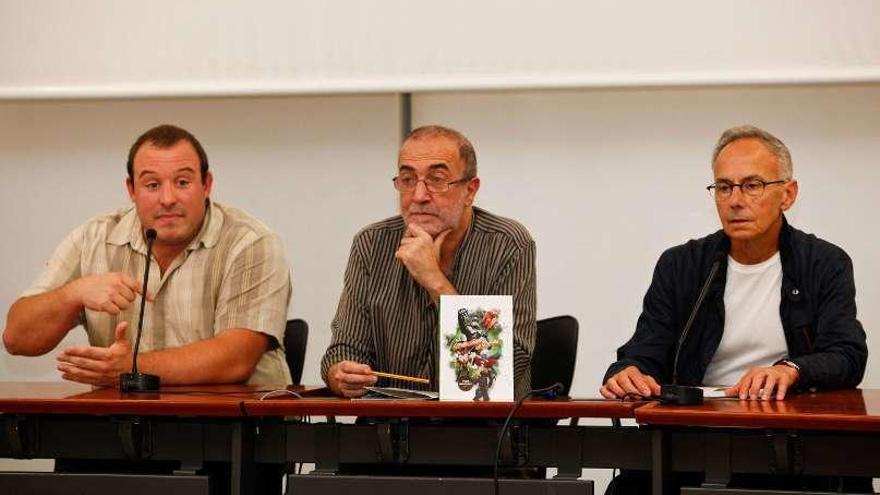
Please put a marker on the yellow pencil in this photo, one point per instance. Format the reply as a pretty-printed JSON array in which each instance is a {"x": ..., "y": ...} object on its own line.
[{"x": 401, "y": 377}]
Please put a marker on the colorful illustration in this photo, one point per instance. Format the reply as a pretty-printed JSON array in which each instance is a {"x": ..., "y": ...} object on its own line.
[{"x": 475, "y": 348}]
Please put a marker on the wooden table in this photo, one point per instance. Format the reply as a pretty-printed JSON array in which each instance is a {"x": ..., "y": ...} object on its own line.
[
  {"x": 805, "y": 434},
  {"x": 833, "y": 433},
  {"x": 193, "y": 425}
]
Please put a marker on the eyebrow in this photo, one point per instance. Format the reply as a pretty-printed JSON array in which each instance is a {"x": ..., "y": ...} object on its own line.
[
  {"x": 187, "y": 169},
  {"x": 750, "y": 177},
  {"x": 432, "y": 167}
]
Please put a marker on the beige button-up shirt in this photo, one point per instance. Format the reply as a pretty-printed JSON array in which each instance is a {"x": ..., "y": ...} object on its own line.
[{"x": 232, "y": 275}]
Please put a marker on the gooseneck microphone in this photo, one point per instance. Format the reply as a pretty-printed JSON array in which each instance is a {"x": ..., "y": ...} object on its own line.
[
  {"x": 684, "y": 394},
  {"x": 136, "y": 381}
]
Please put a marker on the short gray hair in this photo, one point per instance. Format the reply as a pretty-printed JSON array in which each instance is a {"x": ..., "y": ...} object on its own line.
[
  {"x": 465, "y": 148},
  {"x": 773, "y": 144}
]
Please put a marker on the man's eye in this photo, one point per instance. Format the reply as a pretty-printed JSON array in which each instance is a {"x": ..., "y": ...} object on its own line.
[
  {"x": 723, "y": 188},
  {"x": 151, "y": 186},
  {"x": 435, "y": 180},
  {"x": 752, "y": 185},
  {"x": 407, "y": 180},
  {"x": 183, "y": 182}
]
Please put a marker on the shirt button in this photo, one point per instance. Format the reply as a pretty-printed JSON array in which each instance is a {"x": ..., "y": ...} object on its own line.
[{"x": 795, "y": 292}]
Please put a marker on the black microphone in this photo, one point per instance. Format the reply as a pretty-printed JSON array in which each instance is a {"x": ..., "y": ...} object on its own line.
[
  {"x": 135, "y": 381},
  {"x": 684, "y": 394}
]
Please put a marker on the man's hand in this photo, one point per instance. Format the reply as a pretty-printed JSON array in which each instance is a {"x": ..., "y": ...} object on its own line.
[
  {"x": 760, "y": 383},
  {"x": 97, "y": 365},
  {"x": 108, "y": 292},
  {"x": 348, "y": 379},
  {"x": 630, "y": 381},
  {"x": 421, "y": 256}
]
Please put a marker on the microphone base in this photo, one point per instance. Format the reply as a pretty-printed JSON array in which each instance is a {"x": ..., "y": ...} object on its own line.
[
  {"x": 681, "y": 395},
  {"x": 138, "y": 382}
]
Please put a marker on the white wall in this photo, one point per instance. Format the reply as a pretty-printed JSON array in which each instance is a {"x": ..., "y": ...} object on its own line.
[
  {"x": 605, "y": 180},
  {"x": 95, "y": 48}
]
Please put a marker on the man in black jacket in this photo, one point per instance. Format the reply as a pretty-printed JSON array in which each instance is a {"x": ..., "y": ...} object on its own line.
[{"x": 780, "y": 313}]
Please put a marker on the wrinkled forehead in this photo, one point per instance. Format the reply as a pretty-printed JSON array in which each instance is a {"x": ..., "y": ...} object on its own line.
[
  {"x": 180, "y": 155},
  {"x": 747, "y": 157},
  {"x": 430, "y": 153}
]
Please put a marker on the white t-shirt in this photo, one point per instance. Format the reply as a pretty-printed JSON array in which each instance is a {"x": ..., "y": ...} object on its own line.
[{"x": 753, "y": 334}]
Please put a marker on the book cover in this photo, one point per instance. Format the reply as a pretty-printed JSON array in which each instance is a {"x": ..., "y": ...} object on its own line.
[{"x": 476, "y": 348}]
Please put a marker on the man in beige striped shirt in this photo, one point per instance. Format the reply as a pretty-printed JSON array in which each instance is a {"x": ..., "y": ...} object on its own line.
[
  {"x": 218, "y": 291},
  {"x": 387, "y": 317}
]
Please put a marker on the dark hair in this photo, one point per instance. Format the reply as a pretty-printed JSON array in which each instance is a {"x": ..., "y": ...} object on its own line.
[
  {"x": 163, "y": 137},
  {"x": 465, "y": 148}
]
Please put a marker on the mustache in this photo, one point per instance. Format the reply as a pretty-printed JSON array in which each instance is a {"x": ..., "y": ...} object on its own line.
[
  {"x": 163, "y": 213},
  {"x": 424, "y": 209}
]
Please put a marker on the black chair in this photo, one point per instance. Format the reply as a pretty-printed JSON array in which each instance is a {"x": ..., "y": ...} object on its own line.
[
  {"x": 555, "y": 352},
  {"x": 296, "y": 335}
]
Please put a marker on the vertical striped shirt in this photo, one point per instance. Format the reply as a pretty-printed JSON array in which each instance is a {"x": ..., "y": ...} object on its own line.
[
  {"x": 232, "y": 275},
  {"x": 387, "y": 320}
]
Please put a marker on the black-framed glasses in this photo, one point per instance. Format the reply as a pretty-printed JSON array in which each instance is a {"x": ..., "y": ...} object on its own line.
[
  {"x": 407, "y": 183},
  {"x": 753, "y": 188}
]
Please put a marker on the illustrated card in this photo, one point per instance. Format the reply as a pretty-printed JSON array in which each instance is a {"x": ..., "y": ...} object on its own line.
[{"x": 476, "y": 348}]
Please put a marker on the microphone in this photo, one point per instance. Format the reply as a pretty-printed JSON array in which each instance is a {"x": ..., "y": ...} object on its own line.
[
  {"x": 136, "y": 381},
  {"x": 685, "y": 395}
]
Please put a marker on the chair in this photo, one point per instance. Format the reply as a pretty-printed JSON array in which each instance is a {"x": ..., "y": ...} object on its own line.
[
  {"x": 555, "y": 352},
  {"x": 296, "y": 335}
]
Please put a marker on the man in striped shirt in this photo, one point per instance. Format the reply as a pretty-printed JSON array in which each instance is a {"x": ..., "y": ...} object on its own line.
[
  {"x": 398, "y": 268},
  {"x": 218, "y": 291}
]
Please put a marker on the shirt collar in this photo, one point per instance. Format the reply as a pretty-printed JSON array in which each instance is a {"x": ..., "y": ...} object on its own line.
[{"x": 130, "y": 231}]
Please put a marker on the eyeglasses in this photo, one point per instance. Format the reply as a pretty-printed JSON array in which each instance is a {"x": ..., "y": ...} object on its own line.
[
  {"x": 407, "y": 183},
  {"x": 753, "y": 188}
]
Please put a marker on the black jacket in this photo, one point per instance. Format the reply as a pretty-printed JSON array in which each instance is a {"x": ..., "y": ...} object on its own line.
[{"x": 818, "y": 313}]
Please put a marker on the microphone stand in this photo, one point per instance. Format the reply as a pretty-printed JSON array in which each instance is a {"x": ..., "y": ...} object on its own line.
[{"x": 136, "y": 381}]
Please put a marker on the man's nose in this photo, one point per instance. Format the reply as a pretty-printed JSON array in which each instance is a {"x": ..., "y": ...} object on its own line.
[
  {"x": 420, "y": 193},
  {"x": 166, "y": 195}
]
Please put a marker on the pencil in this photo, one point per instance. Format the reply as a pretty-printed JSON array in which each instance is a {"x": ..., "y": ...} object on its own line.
[{"x": 401, "y": 377}]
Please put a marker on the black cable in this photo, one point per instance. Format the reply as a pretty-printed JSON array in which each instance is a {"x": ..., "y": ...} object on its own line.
[{"x": 555, "y": 389}]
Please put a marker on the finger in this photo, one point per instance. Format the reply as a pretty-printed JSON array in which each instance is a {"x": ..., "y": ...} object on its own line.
[
  {"x": 354, "y": 393},
  {"x": 120, "y": 331},
  {"x": 627, "y": 385},
  {"x": 769, "y": 387},
  {"x": 641, "y": 382},
  {"x": 782, "y": 389},
  {"x": 77, "y": 374},
  {"x": 111, "y": 308},
  {"x": 131, "y": 283},
  {"x": 653, "y": 385},
  {"x": 604, "y": 392},
  {"x": 731, "y": 391},
  {"x": 438, "y": 241},
  {"x": 755, "y": 387},
  {"x": 92, "y": 365},
  {"x": 126, "y": 292},
  {"x": 615, "y": 388},
  {"x": 354, "y": 368},
  {"x": 355, "y": 380},
  {"x": 88, "y": 352},
  {"x": 119, "y": 301}
]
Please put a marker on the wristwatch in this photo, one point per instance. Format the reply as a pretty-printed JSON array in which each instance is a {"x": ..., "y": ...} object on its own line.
[{"x": 789, "y": 363}]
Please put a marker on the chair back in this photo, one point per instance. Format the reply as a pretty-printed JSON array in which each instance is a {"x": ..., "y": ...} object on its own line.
[
  {"x": 296, "y": 335},
  {"x": 555, "y": 352}
]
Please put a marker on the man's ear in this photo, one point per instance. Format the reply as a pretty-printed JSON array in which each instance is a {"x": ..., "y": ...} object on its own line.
[
  {"x": 472, "y": 187},
  {"x": 129, "y": 185},
  {"x": 791, "y": 192}
]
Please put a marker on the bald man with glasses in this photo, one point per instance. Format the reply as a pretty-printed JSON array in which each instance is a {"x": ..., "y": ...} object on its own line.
[
  {"x": 439, "y": 244},
  {"x": 780, "y": 314}
]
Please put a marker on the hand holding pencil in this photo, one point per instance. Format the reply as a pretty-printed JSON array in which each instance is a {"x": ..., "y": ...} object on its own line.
[{"x": 348, "y": 378}]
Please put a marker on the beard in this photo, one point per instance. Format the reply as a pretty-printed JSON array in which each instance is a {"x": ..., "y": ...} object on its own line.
[{"x": 432, "y": 219}]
